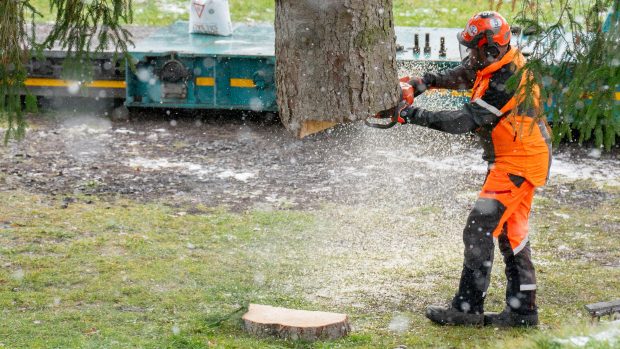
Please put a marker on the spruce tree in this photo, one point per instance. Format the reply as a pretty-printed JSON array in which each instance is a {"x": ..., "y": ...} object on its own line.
[
  {"x": 575, "y": 58},
  {"x": 82, "y": 28}
]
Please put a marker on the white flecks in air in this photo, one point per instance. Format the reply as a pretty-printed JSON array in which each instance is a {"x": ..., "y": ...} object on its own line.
[
  {"x": 547, "y": 80},
  {"x": 595, "y": 153},
  {"x": 400, "y": 323},
  {"x": 208, "y": 62},
  {"x": 514, "y": 302},
  {"x": 18, "y": 275},
  {"x": 143, "y": 75},
  {"x": 74, "y": 87},
  {"x": 256, "y": 104},
  {"x": 124, "y": 131},
  {"x": 259, "y": 279},
  {"x": 243, "y": 176},
  {"x": 610, "y": 335},
  {"x": 579, "y": 105},
  {"x": 561, "y": 215}
]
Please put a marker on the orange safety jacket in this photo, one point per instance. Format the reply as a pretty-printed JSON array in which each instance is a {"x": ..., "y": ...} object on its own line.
[
  {"x": 515, "y": 140},
  {"x": 519, "y": 143}
]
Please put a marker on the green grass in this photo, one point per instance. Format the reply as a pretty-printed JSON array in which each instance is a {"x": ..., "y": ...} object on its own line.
[
  {"x": 120, "y": 274},
  {"x": 430, "y": 13}
]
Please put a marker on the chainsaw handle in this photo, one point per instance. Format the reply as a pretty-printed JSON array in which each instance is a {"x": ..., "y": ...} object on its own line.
[{"x": 380, "y": 126}]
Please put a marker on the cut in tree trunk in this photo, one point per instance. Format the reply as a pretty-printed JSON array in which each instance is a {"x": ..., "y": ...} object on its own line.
[
  {"x": 265, "y": 320},
  {"x": 335, "y": 61}
]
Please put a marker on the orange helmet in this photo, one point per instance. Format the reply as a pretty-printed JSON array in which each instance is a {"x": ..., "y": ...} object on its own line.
[{"x": 488, "y": 28}]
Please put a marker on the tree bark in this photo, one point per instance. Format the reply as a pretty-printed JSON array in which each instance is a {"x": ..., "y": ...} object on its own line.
[
  {"x": 265, "y": 320},
  {"x": 335, "y": 61}
]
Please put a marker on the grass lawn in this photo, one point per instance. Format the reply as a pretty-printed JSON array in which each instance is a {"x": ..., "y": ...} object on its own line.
[
  {"x": 430, "y": 13},
  {"x": 115, "y": 273}
]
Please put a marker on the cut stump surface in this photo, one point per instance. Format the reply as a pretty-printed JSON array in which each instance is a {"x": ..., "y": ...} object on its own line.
[
  {"x": 265, "y": 320},
  {"x": 311, "y": 127}
]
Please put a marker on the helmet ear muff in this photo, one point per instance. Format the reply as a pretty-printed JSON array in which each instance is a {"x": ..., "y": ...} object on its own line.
[{"x": 491, "y": 51}]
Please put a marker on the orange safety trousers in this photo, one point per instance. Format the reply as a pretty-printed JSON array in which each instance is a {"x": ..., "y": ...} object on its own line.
[
  {"x": 499, "y": 215},
  {"x": 517, "y": 202}
]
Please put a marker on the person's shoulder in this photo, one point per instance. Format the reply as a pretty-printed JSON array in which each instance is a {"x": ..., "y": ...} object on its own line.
[
  {"x": 504, "y": 73},
  {"x": 498, "y": 93}
]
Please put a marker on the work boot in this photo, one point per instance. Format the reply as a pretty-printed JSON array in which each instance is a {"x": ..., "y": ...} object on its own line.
[
  {"x": 508, "y": 318},
  {"x": 451, "y": 316}
]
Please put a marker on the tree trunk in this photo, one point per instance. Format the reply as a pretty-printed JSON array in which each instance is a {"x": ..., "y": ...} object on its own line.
[
  {"x": 265, "y": 320},
  {"x": 335, "y": 61}
]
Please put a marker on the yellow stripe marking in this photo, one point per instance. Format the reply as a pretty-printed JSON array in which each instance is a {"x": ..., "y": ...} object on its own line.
[
  {"x": 242, "y": 83},
  {"x": 468, "y": 93},
  {"x": 45, "y": 82},
  {"x": 461, "y": 93},
  {"x": 453, "y": 93},
  {"x": 205, "y": 81},
  {"x": 107, "y": 84},
  {"x": 40, "y": 82}
]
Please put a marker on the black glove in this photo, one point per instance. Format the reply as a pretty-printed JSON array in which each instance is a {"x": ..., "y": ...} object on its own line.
[
  {"x": 419, "y": 85},
  {"x": 408, "y": 114},
  {"x": 394, "y": 112},
  {"x": 400, "y": 110}
]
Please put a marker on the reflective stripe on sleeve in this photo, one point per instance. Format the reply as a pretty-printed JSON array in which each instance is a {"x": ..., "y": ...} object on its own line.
[
  {"x": 527, "y": 287},
  {"x": 488, "y": 107}
]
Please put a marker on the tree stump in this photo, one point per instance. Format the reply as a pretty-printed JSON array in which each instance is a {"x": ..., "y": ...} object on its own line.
[{"x": 265, "y": 320}]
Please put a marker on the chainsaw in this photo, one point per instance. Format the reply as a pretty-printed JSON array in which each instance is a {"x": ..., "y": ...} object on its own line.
[{"x": 407, "y": 94}]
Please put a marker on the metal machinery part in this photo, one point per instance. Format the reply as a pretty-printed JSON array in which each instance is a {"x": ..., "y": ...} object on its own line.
[
  {"x": 237, "y": 72},
  {"x": 180, "y": 70},
  {"x": 174, "y": 69},
  {"x": 47, "y": 71},
  {"x": 173, "y": 75},
  {"x": 108, "y": 79}
]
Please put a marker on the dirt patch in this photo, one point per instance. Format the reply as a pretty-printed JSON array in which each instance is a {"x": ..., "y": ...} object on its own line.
[{"x": 226, "y": 159}]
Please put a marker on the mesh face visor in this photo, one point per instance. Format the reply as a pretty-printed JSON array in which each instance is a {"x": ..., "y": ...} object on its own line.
[
  {"x": 462, "y": 48},
  {"x": 464, "y": 51}
]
